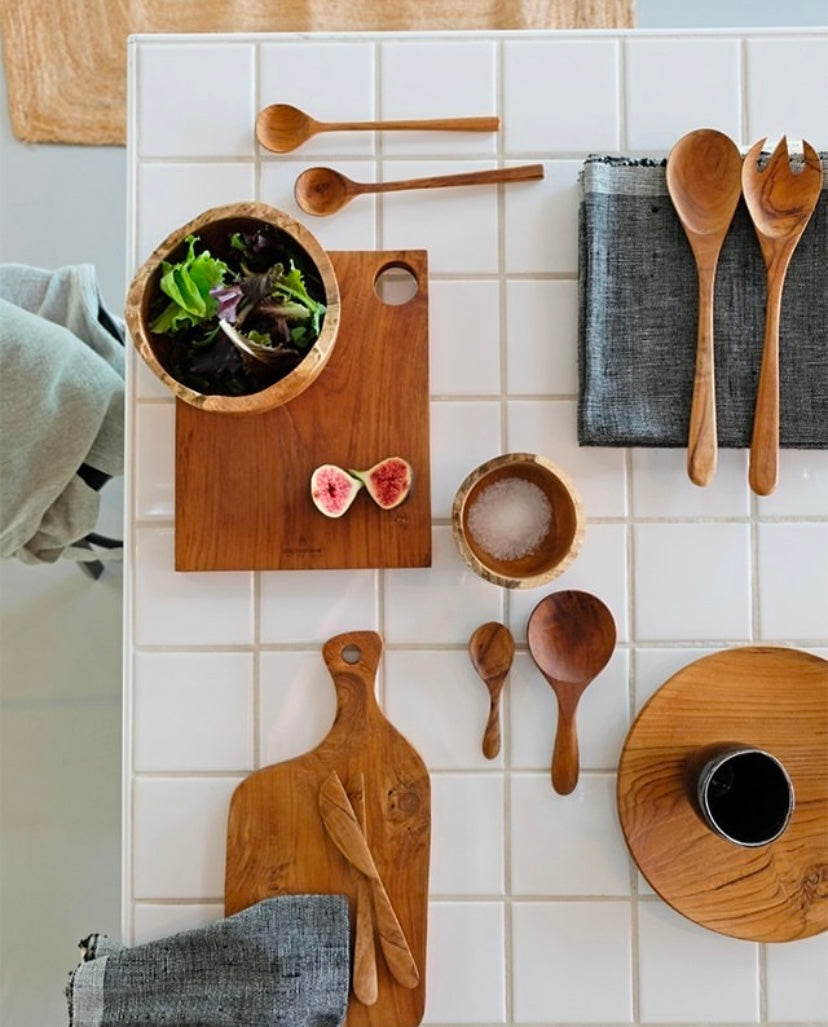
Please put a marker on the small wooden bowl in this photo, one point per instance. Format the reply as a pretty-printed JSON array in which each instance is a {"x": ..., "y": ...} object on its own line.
[
  {"x": 555, "y": 552},
  {"x": 213, "y": 228}
]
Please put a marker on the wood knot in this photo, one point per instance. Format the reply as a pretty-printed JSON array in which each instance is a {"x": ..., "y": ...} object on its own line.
[
  {"x": 814, "y": 885},
  {"x": 403, "y": 802}
]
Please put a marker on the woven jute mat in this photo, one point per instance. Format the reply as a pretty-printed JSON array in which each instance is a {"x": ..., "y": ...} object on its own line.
[{"x": 65, "y": 60}]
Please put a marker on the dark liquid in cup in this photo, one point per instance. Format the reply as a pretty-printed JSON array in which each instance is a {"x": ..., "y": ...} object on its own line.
[{"x": 749, "y": 798}]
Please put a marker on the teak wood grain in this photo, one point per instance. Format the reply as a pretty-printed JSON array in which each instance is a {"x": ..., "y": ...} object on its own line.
[
  {"x": 242, "y": 482},
  {"x": 777, "y": 700},
  {"x": 277, "y": 842}
]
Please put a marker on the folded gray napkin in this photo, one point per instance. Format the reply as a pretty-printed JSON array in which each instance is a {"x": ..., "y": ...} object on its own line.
[
  {"x": 638, "y": 305},
  {"x": 282, "y": 963}
]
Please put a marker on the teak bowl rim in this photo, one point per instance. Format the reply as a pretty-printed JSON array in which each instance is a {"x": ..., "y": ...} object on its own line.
[
  {"x": 293, "y": 383},
  {"x": 516, "y": 577}
]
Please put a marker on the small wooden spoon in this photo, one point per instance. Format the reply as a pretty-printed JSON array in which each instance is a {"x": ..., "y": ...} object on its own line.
[
  {"x": 571, "y": 637},
  {"x": 324, "y": 191},
  {"x": 282, "y": 128},
  {"x": 704, "y": 179},
  {"x": 780, "y": 202},
  {"x": 492, "y": 649}
]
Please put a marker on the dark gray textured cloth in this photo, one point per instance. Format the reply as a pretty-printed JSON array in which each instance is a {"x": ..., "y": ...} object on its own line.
[
  {"x": 638, "y": 307},
  {"x": 281, "y": 963}
]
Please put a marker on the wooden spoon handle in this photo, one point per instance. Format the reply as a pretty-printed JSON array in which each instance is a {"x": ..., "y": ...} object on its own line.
[
  {"x": 764, "y": 445},
  {"x": 701, "y": 439},
  {"x": 493, "y": 175},
  {"x": 484, "y": 124},
  {"x": 491, "y": 734},
  {"x": 565, "y": 759}
]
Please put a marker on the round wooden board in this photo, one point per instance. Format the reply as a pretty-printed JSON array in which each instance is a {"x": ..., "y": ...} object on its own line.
[{"x": 773, "y": 698}]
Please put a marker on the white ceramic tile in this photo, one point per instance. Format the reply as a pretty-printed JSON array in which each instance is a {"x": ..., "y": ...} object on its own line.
[
  {"x": 797, "y": 984},
  {"x": 173, "y": 194},
  {"x": 549, "y": 427},
  {"x": 667, "y": 94},
  {"x": 541, "y": 229},
  {"x": 353, "y": 228},
  {"x": 346, "y": 92},
  {"x": 465, "y": 963},
  {"x": 567, "y": 844},
  {"x": 312, "y": 606},
  {"x": 661, "y": 487},
  {"x": 440, "y": 704},
  {"x": 654, "y": 667},
  {"x": 723, "y": 984},
  {"x": 416, "y": 219},
  {"x": 572, "y": 962},
  {"x": 463, "y": 435},
  {"x": 464, "y": 337},
  {"x": 179, "y": 827},
  {"x": 793, "y": 580},
  {"x": 438, "y": 604},
  {"x": 574, "y": 85},
  {"x": 193, "y": 711},
  {"x": 541, "y": 327},
  {"x": 145, "y": 383},
  {"x": 186, "y": 608},
  {"x": 297, "y": 704},
  {"x": 171, "y": 77},
  {"x": 788, "y": 83},
  {"x": 154, "y": 921},
  {"x": 603, "y": 717},
  {"x": 802, "y": 489},
  {"x": 154, "y": 460},
  {"x": 460, "y": 83},
  {"x": 600, "y": 568},
  {"x": 466, "y": 834},
  {"x": 692, "y": 581}
]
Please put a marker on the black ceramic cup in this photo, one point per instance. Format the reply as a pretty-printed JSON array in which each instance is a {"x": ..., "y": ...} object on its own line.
[{"x": 742, "y": 793}]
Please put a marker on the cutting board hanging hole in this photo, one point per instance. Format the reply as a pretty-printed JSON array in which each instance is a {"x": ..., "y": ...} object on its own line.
[
  {"x": 396, "y": 283},
  {"x": 351, "y": 654}
]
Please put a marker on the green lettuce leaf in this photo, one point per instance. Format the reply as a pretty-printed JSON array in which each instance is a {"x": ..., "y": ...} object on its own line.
[{"x": 188, "y": 285}]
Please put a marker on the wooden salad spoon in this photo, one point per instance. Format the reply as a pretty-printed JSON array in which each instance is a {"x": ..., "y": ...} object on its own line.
[
  {"x": 492, "y": 649},
  {"x": 704, "y": 179},
  {"x": 571, "y": 636},
  {"x": 780, "y": 202},
  {"x": 282, "y": 128},
  {"x": 324, "y": 191}
]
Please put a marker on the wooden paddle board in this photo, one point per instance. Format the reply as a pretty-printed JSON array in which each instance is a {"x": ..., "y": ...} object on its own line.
[{"x": 277, "y": 842}]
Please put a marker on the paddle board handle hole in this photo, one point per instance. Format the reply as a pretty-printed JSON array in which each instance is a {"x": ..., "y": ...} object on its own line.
[
  {"x": 351, "y": 653},
  {"x": 396, "y": 283}
]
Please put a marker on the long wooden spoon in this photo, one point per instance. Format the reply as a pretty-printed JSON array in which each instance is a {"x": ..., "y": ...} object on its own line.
[
  {"x": 780, "y": 202},
  {"x": 704, "y": 181},
  {"x": 492, "y": 649},
  {"x": 282, "y": 128},
  {"x": 324, "y": 191},
  {"x": 571, "y": 637}
]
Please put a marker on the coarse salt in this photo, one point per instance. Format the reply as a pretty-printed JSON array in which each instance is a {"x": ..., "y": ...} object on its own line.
[{"x": 510, "y": 518}]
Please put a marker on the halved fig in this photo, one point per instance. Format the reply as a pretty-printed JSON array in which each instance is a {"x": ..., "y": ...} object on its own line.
[
  {"x": 388, "y": 483},
  {"x": 333, "y": 490}
]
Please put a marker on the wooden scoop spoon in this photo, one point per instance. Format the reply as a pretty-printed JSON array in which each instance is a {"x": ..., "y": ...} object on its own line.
[
  {"x": 492, "y": 650},
  {"x": 704, "y": 179},
  {"x": 324, "y": 191},
  {"x": 571, "y": 637},
  {"x": 282, "y": 128},
  {"x": 780, "y": 202}
]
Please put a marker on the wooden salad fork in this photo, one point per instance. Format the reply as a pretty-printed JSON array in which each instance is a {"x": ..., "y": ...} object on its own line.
[{"x": 780, "y": 202}]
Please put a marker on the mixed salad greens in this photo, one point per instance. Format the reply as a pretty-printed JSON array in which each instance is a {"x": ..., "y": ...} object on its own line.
[{"x": 257, "y": 288}]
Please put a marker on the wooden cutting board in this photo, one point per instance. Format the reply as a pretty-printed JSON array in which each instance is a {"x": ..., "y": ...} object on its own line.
[
  {"x": 772, "y": 698},
  {"x": 277, "y": 843},
  {"x": 242, "y": 482}
]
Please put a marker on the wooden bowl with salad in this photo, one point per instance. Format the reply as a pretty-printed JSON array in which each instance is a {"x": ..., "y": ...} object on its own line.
[{"x": 237, "y": 311}]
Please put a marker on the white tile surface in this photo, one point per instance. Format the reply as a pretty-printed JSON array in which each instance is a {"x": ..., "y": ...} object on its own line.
[
  {"x": 796, "y": 554},
  {"x": 788, "y": 82},
  {"x": 463, "y": 436},
  {"x": 467, "y": 834},
  {"x": 567, "y": 844},
  {"x": 155, "y": 461},
  {"x": 530, "y": 207},
  {"x": 193, "y": 711},
  {"x": 802, "y": 490},
  {"x": 723, "y": 984},
  {"x": 154, "y": 921},
  {"x": 561, "y": 951},
  {"x": 797, "y": 987},
  {"x": 692, "y": 581},
  {"x": 541, "y": 326},
  {"x": 460, "y": 311},
  {"x": 661, "y": 487},
  {"x": 312, "y": 606},
  {"x": 668, "y": 94},
  {"x": 465, "y": 967},
  {"x": 297, "y": 704}
]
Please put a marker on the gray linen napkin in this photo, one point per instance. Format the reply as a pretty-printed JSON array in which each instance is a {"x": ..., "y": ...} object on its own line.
[
  {"x": 283, "y": 963},
  {"x": 638, "y": 299}
]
